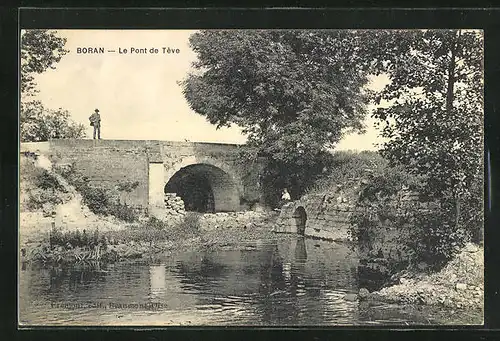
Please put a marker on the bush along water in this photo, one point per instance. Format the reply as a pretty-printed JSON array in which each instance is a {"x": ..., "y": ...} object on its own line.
[
  {"x": 399, "y": 228},
  {"x": 136, "y": 241},
  {"x": 72, "y": 247}
]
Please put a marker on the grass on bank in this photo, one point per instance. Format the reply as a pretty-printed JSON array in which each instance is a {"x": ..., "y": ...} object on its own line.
[
  {"x": 94, "y": 245},
  {"x": 152, "y": 230}
]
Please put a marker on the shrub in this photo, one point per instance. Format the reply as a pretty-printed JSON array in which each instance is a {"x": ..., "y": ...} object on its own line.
[
  {"x": 72, "y": 239},
  {"x": 123, "y": 212},
  {"x": 37, "y": 198},
  {"x": 44, "y": 180},
  {"x": 127, "y": 186},
  {"x": 191, "y": 222},
  {"x": 97, "y": 199},
  {"x": 436, "y": 239},
  {"x": 100, "y": 202},
  {"x": 426, "y": 225}
]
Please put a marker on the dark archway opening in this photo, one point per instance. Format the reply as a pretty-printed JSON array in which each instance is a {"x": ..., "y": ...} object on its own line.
[
  {"x": 204, "y": 188},
  {"x": 195, "y": 190},
  {"x": 300, "y": 218}
]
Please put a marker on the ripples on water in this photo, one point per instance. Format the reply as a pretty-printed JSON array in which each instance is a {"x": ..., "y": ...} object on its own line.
[{"x": 291, "y": 281}]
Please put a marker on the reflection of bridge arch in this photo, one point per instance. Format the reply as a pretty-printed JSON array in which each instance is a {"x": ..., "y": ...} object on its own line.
[{"x": 204, "y": 185}]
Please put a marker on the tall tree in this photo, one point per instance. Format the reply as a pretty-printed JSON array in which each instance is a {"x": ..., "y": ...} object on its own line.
[
  {"x": 434, "y": 120},
  {"x": 294, "y": 93},
  {"x": 42, "y": 50}
]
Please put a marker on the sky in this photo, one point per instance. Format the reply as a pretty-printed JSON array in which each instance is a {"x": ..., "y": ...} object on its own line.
[{"x": 137, "y": 94}]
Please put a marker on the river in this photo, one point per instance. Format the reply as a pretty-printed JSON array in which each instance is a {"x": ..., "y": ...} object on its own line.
[{"x": 283, "y": 282}]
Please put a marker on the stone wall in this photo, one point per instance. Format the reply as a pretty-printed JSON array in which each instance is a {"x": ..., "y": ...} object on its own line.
[
  {"x": 386, "y": 240},
  {"x": 107, "y": 165},
  {"x": 174, "y": 207},
  {"x": 248, "y": 219},
  {"x": 327, "y": 216}
]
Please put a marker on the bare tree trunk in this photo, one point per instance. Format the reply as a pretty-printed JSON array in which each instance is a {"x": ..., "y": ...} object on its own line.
[
  {"x": 451, "y": 75},
  {"x": 457, "y": 210},
  {"x": 449, "y": 108}
]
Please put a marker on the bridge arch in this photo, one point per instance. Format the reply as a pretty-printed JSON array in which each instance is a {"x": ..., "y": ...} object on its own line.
[
  {"x": 205, "y": 185},
  {"x": 300, "y": 219}
]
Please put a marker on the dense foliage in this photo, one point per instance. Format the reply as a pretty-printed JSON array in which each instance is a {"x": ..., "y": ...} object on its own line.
[
  {"x": 434, "y": 119},
  {"x": 41, "y": 124},
  {"x": 295, "y": 93},
  {"x": 42, "y": 50},
  {"x": 431, "y": 113}
]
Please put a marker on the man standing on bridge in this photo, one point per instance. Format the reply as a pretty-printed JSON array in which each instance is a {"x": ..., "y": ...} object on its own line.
[{"x": 95, "y": 120}]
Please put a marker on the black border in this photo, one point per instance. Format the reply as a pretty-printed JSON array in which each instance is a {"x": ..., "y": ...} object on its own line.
[
  {"x": 141, "y": 18},
  {"x": 179, "y": 18}
]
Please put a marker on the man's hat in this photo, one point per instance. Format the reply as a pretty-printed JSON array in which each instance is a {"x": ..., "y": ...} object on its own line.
[{"x": 97, "y": 110}]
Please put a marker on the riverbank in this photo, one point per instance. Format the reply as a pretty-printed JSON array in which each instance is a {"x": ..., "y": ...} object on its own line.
[
  {"x": 140, "y": 243},
  {"x": 47, "y": 199},
  {"x": 459, "y": 286}
]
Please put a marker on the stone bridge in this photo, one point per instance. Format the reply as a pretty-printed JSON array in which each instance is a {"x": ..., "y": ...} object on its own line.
[{"x": 205, "y": 177}]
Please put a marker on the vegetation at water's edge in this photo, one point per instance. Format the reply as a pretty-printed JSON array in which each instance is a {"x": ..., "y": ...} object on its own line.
[
  {"x": 107, "y": 246},
  {"x": 148, "y": 241},
  {"x": 433, "y": 125}
]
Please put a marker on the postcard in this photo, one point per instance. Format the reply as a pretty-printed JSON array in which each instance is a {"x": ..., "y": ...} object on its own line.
[{"x": 251, "y": 177}]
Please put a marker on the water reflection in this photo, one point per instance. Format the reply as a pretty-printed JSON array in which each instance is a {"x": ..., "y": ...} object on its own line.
[
  {"x": 285, "y": 282},
  {"x": 300, "y": 250},
  {"x": 157, "y": 275}
]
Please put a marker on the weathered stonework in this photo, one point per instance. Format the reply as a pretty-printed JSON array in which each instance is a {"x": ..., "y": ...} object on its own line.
[
  {"x": 248, "y": 219},
  {"x": 108, "y": 163},
  {"x": 326, "y": 216}
]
